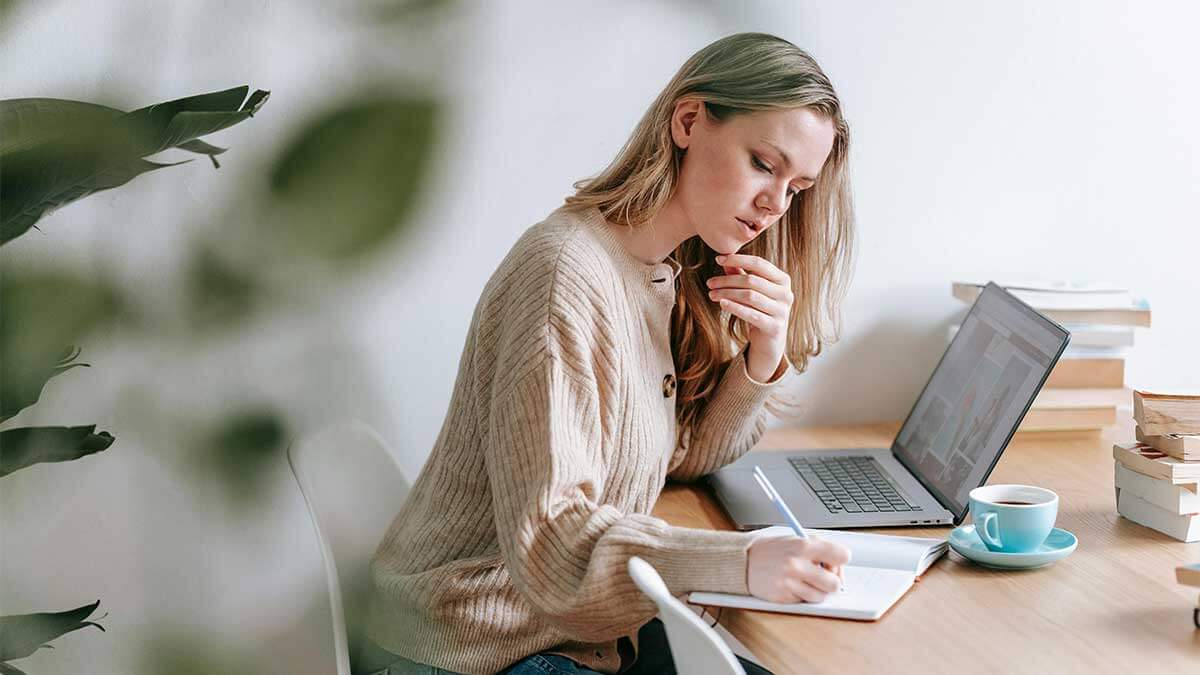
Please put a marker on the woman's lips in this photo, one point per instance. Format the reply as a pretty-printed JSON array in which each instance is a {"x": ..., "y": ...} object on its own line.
[{"x": 753, "y": 232}]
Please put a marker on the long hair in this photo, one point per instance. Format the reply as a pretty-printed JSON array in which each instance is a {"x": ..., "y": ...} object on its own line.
[{"x": 812, "y": 242}]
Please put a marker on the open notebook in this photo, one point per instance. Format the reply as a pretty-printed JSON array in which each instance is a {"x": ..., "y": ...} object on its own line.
[{"x": 882, "y": 567}]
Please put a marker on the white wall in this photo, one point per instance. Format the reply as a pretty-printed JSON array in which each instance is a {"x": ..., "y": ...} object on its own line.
[
  {"x": 1010, "y": 140},
  {"x": 1005, "y": 140}
]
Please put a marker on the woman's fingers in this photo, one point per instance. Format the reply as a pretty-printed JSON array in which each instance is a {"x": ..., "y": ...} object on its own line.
[
  {"x": 769, "y": 288},
  {"x": 807, "y": 579},
  {"x": 752, "y": 316},
  {"x": 802, "y": 591},
  {"x": 791, "y": 569},
  {"x": 822, "y": 579},
  {"x": 749, "y": 298},
  {"x": 755, "y": 265},
  {"x": 829, "y": 553}
]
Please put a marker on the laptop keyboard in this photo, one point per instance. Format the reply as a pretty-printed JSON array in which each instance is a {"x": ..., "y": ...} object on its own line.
[{"x": 850, "y": 484}]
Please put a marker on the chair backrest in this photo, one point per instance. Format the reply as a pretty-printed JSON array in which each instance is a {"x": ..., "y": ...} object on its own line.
[
  {"x": 353, "y": 488},
  {"x": 695, "y": 647}
]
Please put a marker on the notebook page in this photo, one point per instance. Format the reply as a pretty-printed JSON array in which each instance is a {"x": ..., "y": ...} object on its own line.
[
  {"x": 910, "y": 554},
  {"x": 869, "y": 592}
]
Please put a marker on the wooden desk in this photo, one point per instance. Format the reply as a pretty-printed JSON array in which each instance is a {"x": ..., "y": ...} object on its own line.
[{"x": 1111, "y": 606}]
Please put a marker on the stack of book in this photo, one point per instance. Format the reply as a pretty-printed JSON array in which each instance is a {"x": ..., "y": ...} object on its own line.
[
  {"x": 1158, "y": 477},
  {"x": 1087, "y": 385},
  {"x": 1189, "y": 575}
]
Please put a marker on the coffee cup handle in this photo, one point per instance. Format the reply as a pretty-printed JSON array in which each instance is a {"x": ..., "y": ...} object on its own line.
[{"x": 981, "y": 528}]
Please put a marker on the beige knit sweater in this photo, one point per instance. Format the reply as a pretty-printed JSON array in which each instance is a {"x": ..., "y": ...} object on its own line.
[{"x": 559, "y": 437}]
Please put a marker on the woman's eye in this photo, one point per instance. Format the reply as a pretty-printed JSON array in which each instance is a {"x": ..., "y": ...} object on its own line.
[{"x": 792, "y": 192}]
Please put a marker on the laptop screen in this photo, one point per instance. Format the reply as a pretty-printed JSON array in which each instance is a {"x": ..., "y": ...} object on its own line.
[{"x": 977, "y": 395}]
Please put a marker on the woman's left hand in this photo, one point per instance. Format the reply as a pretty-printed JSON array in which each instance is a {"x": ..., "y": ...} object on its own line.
[{"x": 760, "y": 294}]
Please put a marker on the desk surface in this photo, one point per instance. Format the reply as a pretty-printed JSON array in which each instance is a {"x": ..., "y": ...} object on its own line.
[{"x": 1113, "y": 605}]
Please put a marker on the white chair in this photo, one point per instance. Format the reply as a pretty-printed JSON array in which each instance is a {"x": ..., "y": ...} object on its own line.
[
  {"x": 695, "y": 647},
  {"x": 353, "y": 488}
]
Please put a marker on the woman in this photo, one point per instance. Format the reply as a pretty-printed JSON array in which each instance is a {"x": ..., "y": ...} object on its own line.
[{"x": 716, "y": 243}]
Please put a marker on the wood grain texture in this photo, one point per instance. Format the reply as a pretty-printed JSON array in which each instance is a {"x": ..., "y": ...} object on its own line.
[{"x": 1112, "y": 606}]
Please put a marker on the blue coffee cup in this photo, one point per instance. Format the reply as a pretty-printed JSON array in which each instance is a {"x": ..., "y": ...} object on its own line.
[{"x": 1013, "y": 518}]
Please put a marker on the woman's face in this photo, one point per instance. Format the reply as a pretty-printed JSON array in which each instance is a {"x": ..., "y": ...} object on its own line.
[{"x": 748, "y": 168}]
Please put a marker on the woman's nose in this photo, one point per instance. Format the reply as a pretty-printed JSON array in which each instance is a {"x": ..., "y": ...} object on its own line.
[{"x": 774, "y": 201}]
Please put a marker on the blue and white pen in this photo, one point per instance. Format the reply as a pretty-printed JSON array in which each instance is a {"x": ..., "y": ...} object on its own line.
[
  {"x": 773, "y": 495},
  {"x": 765, "y": 484}
]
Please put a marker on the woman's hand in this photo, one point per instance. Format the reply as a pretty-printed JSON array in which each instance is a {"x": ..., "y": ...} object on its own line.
[
  {"x": 789, "y": 569},
  {"x": 760, "y": 294}
]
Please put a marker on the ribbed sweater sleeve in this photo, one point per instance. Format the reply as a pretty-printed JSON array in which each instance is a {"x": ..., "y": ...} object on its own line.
[
  {"x": 546, "y": 461},
  {"x": 733, "y": 421}
]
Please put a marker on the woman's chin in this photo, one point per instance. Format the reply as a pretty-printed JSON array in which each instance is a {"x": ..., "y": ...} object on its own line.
[{"x": 726, "y": 245}]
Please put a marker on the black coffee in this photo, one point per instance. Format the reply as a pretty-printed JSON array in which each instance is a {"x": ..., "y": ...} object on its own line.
[{"x": 1012, "y": 503}]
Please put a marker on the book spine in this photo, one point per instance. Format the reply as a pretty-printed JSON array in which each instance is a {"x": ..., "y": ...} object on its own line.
[
  {"x": 1177, "y": 499},
  {"x": 1068, "y": 419},
  {"x": 1147, "y": 467},
  {"x": 1186, "y": 448},
  {"x": 1092, "y": 335},
  {"x": 1086, "y": 373},
  {"x": 1158, "y": 415},
  {"x": 1183, "y": 528}
]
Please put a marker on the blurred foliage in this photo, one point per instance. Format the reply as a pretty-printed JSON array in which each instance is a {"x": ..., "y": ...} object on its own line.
[
  {"x": 27, "y": 446},
  {"x": 241, "y": 450},
  {"x": 56, "y": 151},
  {"x": 402, "y": 11},
  {"x": 341, "y": 189},
  {"x": 44, "y": 312},
  {"x": 219, "y": 293},
  {"x": 180, "y": 653},
  {"x": 349, "y": 180},
  {"x": 23, "y": 634}
]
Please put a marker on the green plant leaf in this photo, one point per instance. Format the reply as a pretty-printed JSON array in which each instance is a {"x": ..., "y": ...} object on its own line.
[
  {"x": 57, "y": 151},
  {"x": 219, "y": 293},
  {"x": 44, "y": 311},
  {"x": 241, "y": 451},
  {"x": 178, "y": 650},
  {"x": 200, "y": 147},
  {"x": 22, "y": 384},
  {"x": 348, "y": 181},
  {"x": 402, "y": 11},
  {"x": 30, "y": 122},
  {"x": 26, "y": 446},
  {"x": 23, "y": 634}
]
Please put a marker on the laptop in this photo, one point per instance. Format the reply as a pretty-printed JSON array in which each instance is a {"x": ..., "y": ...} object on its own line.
[{"x": 952, "y": 438}]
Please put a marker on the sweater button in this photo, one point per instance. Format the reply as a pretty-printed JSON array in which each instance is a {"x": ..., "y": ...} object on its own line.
[{"x": 668, "y": 386}]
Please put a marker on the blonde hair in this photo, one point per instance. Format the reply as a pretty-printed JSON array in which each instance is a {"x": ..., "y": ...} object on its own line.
[{"x": 812, "y": 243}]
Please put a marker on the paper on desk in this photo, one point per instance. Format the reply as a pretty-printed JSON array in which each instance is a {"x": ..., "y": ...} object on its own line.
[
  {"x": 870, "y": 591},
  {"x": 909, "y": 554}
]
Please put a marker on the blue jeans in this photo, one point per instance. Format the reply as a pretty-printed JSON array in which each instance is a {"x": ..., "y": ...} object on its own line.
[
  {"x": 654, "y": 657},
  {"x": 377, "y": 661}
]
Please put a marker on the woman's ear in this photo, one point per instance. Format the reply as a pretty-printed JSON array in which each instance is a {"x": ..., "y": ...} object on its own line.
[{"x": 683, "y": 119}]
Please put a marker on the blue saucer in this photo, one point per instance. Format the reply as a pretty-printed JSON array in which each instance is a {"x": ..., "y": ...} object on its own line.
[{"x": 966, "y": 543}]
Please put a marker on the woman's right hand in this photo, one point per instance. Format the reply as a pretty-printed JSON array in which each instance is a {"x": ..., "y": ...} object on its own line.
[{"x": 789, "y": 569}]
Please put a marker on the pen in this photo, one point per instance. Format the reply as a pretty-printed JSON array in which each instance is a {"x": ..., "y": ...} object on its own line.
[
  {"x": 773, "y": 495},
  {"x": 765, "y": 484}
]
